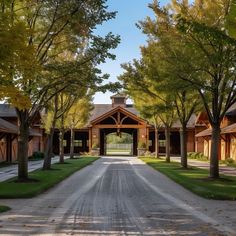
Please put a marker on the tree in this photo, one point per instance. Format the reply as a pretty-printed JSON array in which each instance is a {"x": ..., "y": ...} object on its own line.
[
  {"x": 204, "y": 54},
  {"x": 77, "y": 117},
  {"x": 54, "y": 116},
  {"x": 53, "y": 27},
  {"x": 139, "y": 79}
]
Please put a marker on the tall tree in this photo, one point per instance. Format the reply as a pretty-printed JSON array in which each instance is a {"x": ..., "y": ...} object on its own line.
[
  {"x": 55, "y": 114},
  {"x": 77, "y": 117},
  {"x": 53, "y": 27},
  {"x": 184, "y": 97},
  {"x": 204, "y": 53},
  {"x": 142, "y": 83}
]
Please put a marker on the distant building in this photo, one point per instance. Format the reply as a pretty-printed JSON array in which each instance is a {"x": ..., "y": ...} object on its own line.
[
  {"x": 119, "y": 117},
  {"x": 9, "y": 133}
]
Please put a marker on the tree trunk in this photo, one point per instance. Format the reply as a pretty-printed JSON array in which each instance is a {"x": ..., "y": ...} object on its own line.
[
  {"x": 183, "y": 146},
  {"x": 61, "y": 138},
  {"x": 72, "y": 139},
  {"x": 156, "y": 142},
  {"x": 48, "y": 151},
  {"x": 49, "y": 146},
  {"x": 22, "y": 151},
  {"x": 167, "y": 135},
  {"x": 214, "y": 158}
]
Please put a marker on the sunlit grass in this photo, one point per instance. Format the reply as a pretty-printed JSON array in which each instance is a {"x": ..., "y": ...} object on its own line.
[
  {"x": 44, "y": 179},
  {"x": 196, "y": 180}
]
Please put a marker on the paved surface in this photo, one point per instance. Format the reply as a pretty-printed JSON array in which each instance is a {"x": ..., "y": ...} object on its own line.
[
  {"x": 226, "y": 170},
  {"x": 118, "y": 196},
  {"x": 12, "y": 171}
]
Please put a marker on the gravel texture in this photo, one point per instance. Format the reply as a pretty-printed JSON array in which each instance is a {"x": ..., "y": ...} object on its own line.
[{"x": 118, "y": 196}]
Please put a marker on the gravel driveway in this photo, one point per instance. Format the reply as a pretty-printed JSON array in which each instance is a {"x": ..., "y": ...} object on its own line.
[{"x": 118, "y": 196}]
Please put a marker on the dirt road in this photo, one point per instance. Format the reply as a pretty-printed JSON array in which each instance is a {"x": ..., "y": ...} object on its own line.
[{"x": 118, "y": 196}]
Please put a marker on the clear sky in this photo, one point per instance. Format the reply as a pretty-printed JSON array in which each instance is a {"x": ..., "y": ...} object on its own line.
[{"x": 129, "y": 13}]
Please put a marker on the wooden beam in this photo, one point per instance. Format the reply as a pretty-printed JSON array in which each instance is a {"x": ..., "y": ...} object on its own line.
[{"x": 119, "y": 126}]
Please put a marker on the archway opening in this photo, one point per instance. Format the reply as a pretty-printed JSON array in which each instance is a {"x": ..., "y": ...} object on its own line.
[
  {"x": 119, "y": 144},
  {"x": 116, "y": 142}
]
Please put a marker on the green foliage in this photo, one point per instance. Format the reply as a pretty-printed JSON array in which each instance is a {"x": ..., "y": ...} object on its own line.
[
  {"x": 4, "y": 209},
  {"x": 196, "y": 180},
  {"x": 197, "y": 155},
  {"x": 191, "y": 53},
  {"x": 78, "y": 114},
  {"x": 231, "y": 19},
  {"x": 45, "y": 179},
  {"x": 47, "y": 47},
  {"x": 95, "y": 146},
  {"x": 114, "y": 139},
  {"x": 230, "y": 161},
  {"x": 37, "y": 156},
  {"x": 142, "y": 145}
]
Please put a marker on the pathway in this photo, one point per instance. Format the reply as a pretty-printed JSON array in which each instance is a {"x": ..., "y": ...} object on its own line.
[
  {"x": 118, "y": 196},
  {"x": 226, "y": 170},
  {"x": 12, "y": 171}
]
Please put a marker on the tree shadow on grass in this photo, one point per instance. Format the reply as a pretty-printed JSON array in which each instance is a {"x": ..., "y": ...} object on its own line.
[
  {"x": 29, "y": 180},
  {"x": 221, "y": 179}
]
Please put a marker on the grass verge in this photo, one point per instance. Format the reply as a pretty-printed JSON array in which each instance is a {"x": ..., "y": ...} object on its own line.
[
  {"x": 44, "y": 179},
  {"x": 4, "y": 209},
  {"x": 196, "y": 180}
]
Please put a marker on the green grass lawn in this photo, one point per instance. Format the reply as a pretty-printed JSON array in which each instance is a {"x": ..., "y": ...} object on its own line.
[
  {"x": 196, "y": 180},
  {"x": 45, "y": 179},
  {"x": 4, "y": 209}
]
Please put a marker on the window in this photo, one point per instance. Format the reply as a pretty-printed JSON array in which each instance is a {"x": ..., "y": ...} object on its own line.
[
  {"x": 64, "y": 143},
  {"x": 78, "y": 143},
  {"x": 150, "y": 143},
  {"x": 162, "y": 143}
]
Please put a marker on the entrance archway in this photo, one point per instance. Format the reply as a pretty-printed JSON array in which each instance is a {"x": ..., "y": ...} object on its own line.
[
  {"x": 119, "y": 144},
  {"x": 118, "y": 120},
  {"x": 104, "y": 133}
]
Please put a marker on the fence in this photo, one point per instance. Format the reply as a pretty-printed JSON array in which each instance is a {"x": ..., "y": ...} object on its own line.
[{"x": 120, "y": 146}]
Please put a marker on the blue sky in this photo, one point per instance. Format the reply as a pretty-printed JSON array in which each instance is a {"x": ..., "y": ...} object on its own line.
[{"x": 129, "y": 13}]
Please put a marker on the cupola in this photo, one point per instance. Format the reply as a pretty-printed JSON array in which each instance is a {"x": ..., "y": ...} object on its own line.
[{"x": 119, "y": 99}]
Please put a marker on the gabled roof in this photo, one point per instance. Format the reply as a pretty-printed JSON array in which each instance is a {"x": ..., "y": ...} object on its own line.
[
  {"x": 100, "y": 109},
  {"x": 119, "y": 95},
  {"x": 113, "y": 110}
]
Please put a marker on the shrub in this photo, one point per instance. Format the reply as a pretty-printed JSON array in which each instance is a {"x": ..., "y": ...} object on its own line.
[
  {"x": 37, "y": 155},
  {"x": 142, "y": 145},
  {"x": 229, "y": 161},
  {"x": 147, "y": 154},
  {"x": 95, "y": 145},
  {"x": 197, "y": 155}
]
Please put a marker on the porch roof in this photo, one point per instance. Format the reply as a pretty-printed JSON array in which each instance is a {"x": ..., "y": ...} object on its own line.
[
  {"x": 206, "y": 132},
  {"x": 229, "y": 129},
  {"x": 226, "y": 130},
  {"x": 7, "y": 127}
]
